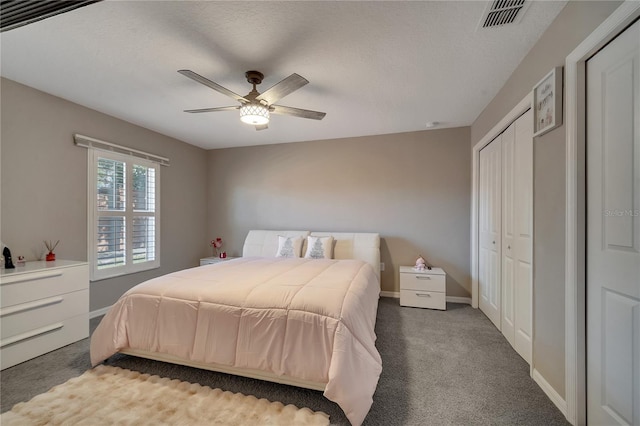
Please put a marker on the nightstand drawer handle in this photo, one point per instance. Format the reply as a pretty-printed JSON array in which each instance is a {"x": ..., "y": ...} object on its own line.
[
  {"x": 422, "y": 277},
  {"x": 423, "y": 295}
]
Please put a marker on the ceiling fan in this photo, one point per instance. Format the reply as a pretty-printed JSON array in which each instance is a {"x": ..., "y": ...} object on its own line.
[{"x": 256, "y": 107}]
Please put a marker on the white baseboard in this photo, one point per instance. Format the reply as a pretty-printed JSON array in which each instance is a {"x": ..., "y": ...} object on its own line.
[
  {"x": 452, "y": 299},
  {"x": 99, "y": 312},
  {"x": 550, "y": 391},
  {"x": 458, "y": 299}
]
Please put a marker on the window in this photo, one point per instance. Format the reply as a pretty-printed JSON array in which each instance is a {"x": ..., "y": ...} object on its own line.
[{"x": 124, "y": 219}]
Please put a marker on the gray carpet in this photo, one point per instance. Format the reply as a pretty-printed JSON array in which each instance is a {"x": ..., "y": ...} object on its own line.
[{"x": 439, "y": 368}]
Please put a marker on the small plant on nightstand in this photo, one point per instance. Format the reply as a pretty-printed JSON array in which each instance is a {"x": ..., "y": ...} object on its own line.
[{"x": 215, "y": 245}]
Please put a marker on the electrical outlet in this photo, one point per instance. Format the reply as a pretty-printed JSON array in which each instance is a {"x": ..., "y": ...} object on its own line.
[{"x": 381, "y": 266}]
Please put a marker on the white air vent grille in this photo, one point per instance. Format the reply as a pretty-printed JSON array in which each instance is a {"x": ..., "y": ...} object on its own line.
[
  {"x": 503, "y": 12},
  {"x": 16, "y": 13}
]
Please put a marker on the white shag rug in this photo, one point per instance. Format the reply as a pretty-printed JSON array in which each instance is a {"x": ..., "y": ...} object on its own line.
[{"x": 109, "y": 395}]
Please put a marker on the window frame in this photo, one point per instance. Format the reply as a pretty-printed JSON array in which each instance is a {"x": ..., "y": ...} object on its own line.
[{"x": 93, "y": 214}]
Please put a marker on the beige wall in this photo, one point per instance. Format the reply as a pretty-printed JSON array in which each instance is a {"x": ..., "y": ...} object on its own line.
[
  {"x": 44, "y": 184},
  {"x": 575, "y": 22},
  {"x": 412, "y": 188}
]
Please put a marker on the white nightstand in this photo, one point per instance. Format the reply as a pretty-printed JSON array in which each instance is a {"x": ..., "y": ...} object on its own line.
[
  {"x": 423, "y": 289},
  {"x": 212, "y": 260}
]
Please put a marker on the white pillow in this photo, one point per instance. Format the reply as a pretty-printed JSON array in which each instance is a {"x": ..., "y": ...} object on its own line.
[
  {"x": 319, "y": 248},
  {"x": 289, "y": 246}
]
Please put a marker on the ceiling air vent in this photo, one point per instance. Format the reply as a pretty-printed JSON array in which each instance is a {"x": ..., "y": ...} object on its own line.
[
  {"x": 16, "y": 13},
  {"x": 503, "y": 12}
]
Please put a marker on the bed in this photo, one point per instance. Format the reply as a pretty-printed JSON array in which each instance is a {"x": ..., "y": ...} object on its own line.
[{"x": 297, "y": 321}]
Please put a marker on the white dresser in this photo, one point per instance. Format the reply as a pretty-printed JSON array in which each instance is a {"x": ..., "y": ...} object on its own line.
[
  {"x": 43, "y": 306},
  {"x": 212, "y": 260},
  {"x": 423, "y": 289}
]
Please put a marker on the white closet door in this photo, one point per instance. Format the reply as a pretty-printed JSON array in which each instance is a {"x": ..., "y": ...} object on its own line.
[
  {"x": 509, "y": 181},
  {"x": 522, "y": 244},
  {"x": 613, "y": 232},
  {"x": 506, "y": 229},
  {"x": 489, "y": 206}
]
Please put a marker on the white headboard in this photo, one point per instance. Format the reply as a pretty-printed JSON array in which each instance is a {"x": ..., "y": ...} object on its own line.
[
  {"x": 265, "y": 243},
  {"x": 355, "y": 245}
]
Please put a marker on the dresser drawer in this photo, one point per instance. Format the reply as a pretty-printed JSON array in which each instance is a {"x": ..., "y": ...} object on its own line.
[
  {"x": 423, "y": 299},
  {"x": 24, "y": 317},
  {"x": 421, "y": 281},
  {"x": 42, "y": 284},
  {"x": 43, "y": 340}
]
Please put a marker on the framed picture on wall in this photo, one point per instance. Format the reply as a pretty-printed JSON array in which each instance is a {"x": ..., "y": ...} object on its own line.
[{"x": 547, "y": 102}]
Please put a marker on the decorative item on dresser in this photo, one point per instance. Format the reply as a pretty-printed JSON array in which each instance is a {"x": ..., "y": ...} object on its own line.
[
  {"x": 8, "y": 263},
  {"x": 43, "y": 306},
  {"x": 424, "y": 288},
  {"x": 51, "y": 256},
  {"x": 212, "y": 260}
]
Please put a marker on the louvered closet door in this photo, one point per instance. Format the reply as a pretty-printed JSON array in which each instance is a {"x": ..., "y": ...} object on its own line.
[{"x": 489, "y": 217}]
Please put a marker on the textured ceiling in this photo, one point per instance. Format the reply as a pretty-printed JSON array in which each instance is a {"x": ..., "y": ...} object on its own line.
[{"x": 373, "y": 67}]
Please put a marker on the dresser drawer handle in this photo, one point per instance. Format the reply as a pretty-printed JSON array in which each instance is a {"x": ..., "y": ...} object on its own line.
[
  {"x": 30, "y": 277},
  {"x": 423, "y": 277},
  {"x": 30, "y": 334},
  {"x": 423, "y": 295},
  {"x": 30, "y": 305}
]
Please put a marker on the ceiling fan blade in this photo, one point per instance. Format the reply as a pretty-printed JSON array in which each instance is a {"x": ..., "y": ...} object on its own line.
[
  {"x": 227, "y": 108},
  {"x": 282, "y": 89},
  {"x": 262, "y": 127},
  {"x": 215, "y": 86},
  {"x": 296, "y": 112}
]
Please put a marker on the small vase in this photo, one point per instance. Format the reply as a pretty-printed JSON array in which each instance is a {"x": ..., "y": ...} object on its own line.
[{"x": 51, "y": 256}]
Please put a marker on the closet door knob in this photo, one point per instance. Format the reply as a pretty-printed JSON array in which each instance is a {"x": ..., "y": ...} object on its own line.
[{"x": 493, "y": 242}]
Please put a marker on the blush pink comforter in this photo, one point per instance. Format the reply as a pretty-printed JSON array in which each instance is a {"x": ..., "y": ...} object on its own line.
[{"x": 309, "y": 319}]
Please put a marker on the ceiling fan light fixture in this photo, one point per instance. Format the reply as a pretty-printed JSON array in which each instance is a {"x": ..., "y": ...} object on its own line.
[
  {"x": 254, "y": 114},
  {"x": 255, "y": 108}
]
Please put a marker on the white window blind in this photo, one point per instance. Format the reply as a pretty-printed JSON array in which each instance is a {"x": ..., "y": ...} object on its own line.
[{"x": 124, "y": 205}]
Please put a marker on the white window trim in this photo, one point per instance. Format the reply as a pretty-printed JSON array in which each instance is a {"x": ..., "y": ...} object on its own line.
[{"x": 92, "y": 211}]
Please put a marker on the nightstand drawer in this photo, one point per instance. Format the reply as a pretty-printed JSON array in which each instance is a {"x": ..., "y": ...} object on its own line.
[
  {"x": 421, "y": 281},
  {"x": 423, "y": 299}
]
